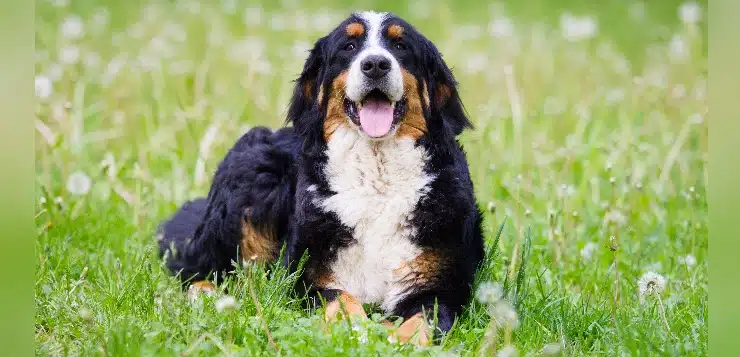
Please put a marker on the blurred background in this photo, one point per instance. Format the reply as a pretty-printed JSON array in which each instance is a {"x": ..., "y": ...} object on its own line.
[{"x": 590, "y": 132}]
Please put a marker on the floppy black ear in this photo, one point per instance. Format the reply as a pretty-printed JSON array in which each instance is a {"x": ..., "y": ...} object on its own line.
[
  {"x": 306, "y": 91},
  {"x": 443, "y": 96}
]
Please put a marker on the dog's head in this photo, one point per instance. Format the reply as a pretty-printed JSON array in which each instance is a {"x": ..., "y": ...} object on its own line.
[{"x": 377, "y": 73}]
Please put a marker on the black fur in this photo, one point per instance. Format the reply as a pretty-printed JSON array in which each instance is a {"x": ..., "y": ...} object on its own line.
[{"x": 269, "y": 173}]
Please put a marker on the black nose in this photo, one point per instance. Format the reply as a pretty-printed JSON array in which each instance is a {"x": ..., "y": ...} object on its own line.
[{"x": 375, "y": 66}]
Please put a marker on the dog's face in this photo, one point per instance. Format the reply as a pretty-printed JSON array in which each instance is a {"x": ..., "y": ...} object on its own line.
[{"x": 377, "y": 73}]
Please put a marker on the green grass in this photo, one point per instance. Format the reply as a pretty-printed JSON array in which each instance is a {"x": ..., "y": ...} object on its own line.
[{"x": 578, "y": 143}]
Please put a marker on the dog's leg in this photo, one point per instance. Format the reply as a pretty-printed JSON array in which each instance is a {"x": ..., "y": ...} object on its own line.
[
  {"x": 341, "y": 304},
  {"x": 201, "y": 287},
  {"x": 417, "y": 327}
]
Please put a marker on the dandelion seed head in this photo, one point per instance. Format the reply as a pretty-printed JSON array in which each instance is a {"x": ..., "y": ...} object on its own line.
[
  {"x": 650, "y": 283},
  {"x": 78, "y": 183},
  {"x": 508, "y": 351},
  {"x": 577, "y": 28},
  {"x": 551, "y": 349},
  {"x": 588, "y": 250},
  {"x": 69, "y": 55},
  {"x": 226, "y": 304},
  {"x": 72, "y": 27},
  {"x": 501, "y": 27},
  {"x": 42, "y": 86},
  {"x": 690, "y": 13},
  {"x": 489, "y": 293},
  {"x": 86, "y": 314},
  {"x": 678, "y": 49}
]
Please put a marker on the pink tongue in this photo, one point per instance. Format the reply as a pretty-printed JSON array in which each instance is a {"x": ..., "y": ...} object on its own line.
[{"x": 376, "y": 118}]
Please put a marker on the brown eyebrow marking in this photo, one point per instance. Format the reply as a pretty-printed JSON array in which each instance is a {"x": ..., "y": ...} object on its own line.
[
  {"x": 395, "y": 31},
  {"x": 355, "y": 29}
]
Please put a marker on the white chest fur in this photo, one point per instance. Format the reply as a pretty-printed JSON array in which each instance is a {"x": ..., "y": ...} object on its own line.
[{"x": 377, "y": 185}]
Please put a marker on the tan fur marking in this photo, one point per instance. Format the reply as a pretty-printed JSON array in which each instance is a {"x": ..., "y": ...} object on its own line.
[
  {"x": 200, "y": 287},
  {"x": 425, "y": 92},
  {"x": 425, "y": 268},
  {"x": 413, "y": 124},
  {"x": 355, "y": 29},
  {"x": 255, "y": 245},
  {"x": 415, "y": 330},
  {"x": 335, "y": 115},
  {"x": 345, "y": 304},
  {"x": 442, "y": 93},
  {"x": 395, "y": 31},
  {"x": 307, "y": 88}
]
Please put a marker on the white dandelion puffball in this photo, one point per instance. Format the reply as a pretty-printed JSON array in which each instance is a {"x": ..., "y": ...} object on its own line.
[
  {"x": 226, "y": 304},
  {"x": 551, "y": 349},
  {"x": 578, "y": 28},
  {"x": 501, "y": 27},
  {"x": 690, "y": 13},
  {"x": 489, "y": 293},
  {"x": 508, "y": 351},
  {"x": 43, "y": 86},
  {"x": 650, "y": 282},
  {"x": 72, "y": 27},
  {"x": 588, "y": 250},
  {"x": 69, "y": 54},
  {"x": 78, "y": 183}
]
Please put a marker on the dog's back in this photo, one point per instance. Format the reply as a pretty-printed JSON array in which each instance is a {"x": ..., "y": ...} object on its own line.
[{"x": 246, "y": 214}]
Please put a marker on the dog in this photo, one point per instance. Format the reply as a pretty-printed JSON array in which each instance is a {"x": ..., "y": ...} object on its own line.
[{"x": 369, "y": 181}]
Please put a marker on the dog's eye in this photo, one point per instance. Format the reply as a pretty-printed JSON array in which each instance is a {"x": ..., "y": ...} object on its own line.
[
  {"x": 400, "y": 46},
  {"x": 349, "y": 47}
]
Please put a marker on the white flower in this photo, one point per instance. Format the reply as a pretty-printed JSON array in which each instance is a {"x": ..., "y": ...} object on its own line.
[
  {"x": 72, "y": 27},
  {"x": 501, "y": 27},
  {"x": 650, "y": 282},
  {"x": 69, "y": 54},
  {"x": 226, "y": 304},
  {"x": 43, "y": 86},
  {"x": 588, "y": 250},
  {"x": 551, "y": 349},
  {"x": 78, "y": 183},
  {"x": 690, "y": 13},
  {"x": 577, "y": 28},
  {"x": 489, "y": 293},
  {"x": 508, "y": 351}
]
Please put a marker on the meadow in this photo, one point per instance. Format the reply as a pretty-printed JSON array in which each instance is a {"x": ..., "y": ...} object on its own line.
[{"x": 589, "y": 158}]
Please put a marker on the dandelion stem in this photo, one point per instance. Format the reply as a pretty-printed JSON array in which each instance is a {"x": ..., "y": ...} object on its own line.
[{"x": 661, "y": 308}]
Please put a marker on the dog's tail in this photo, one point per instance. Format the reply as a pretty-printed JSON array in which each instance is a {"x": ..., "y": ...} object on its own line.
[{"x": 175, "y": 234}]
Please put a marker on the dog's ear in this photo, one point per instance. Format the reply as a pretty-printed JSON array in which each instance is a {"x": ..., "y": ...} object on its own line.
[
  {"x": 444, "y": 99},
  {"x": 306, "y": 91}
]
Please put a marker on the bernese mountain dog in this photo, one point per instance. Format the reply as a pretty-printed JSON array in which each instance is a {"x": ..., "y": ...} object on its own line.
[{"x": 369, "y": 181}]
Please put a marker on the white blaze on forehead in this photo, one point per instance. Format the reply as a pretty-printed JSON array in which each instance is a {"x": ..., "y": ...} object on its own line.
[
  {"x": 374, "y": 22},
  {"x": 358, "y": 85}
]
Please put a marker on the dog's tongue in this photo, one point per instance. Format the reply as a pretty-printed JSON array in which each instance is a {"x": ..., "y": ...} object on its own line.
[{"x": 376, "y": 117}]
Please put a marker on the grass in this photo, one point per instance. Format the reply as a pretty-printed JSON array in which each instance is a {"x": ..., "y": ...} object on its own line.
[{"x": 593, "y": 152}]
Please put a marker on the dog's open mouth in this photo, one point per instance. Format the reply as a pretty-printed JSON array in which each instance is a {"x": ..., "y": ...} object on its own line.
[{"x": 375, "y": 114}]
